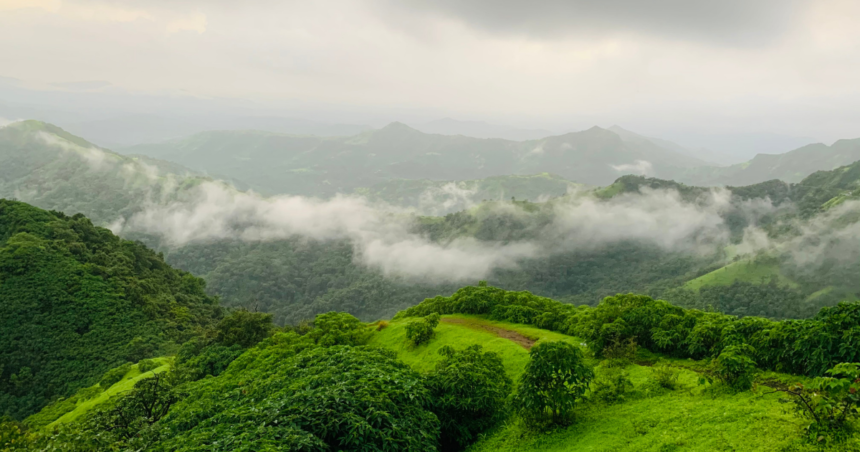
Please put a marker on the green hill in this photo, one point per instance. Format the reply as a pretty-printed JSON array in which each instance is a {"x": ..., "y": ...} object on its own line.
[{"x": 77, "y": 300}]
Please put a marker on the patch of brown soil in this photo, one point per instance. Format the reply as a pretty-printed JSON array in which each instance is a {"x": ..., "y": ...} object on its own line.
[{"x": 525, "y": 342}]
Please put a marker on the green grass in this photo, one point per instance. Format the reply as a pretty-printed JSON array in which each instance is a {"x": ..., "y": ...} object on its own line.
[
  {"x": 127, "y": 382},
  {"x": 743, "y": 270},
  {"x": 693, "y": 417},
  {"x": 424, "y": 357}
]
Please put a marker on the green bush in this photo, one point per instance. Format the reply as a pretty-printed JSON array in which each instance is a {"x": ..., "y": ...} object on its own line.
[
  {"x": 243, "y": 328},
  {"x": 196, "y": 360},
  {"x": 285, "y": 396},
  {"x": 665, "y": 376},
  {"x": 339, "y": 328},
  {"x": 734, "y": 367},
  {"x": 468, "y": 390},
  {"x": 146, "y": 365},
  {"x": 831, "y": 403},
  {"x": 611, "y": 384},
  {"x": 421, "y": 331},
  {"x": 114, "y": 375},
  {"x": 555, "y": 377}
]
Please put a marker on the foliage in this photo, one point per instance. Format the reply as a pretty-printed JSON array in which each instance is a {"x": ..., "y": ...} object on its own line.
[
  {"x": 468, "y": 389},
  {"x": 289, "y": 394},
  {"x": 804, "y": 347},
  {"x": 339, "y": 328},
  {"x": 74, "y": 297},
  {"x": 734, "y": 367},
  {"x": 146, "y": 365},
  {"x": 114, "y": 375},
  {"x": 421, "y": 331},
  {"x": 831, "y": 403},
  {"x": 243, "y": 328},
  {"x": 555, "y": 377},
  {"x": 196, "y": 359},
  {"x": 611, "y": 383},
  {"x": 665, "y": 376}
]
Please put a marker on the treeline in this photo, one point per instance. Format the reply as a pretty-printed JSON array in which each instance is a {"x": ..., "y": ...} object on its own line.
[{"x": 803, "y": 347}]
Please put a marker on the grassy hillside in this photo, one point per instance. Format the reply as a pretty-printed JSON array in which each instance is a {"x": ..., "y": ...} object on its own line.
[
  {"x": 743, "y": 270},
  {"x": 693, "y": 417}
]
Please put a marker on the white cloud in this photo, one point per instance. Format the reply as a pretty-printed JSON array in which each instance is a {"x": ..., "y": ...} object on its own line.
[{"x": 639, "y": 167}]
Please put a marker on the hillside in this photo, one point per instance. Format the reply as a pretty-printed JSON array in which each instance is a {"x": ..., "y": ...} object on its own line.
[
  {"x": 324, "y": 166},
  {"x": 792, "y": 166},
  {"x": 46, "y": 166},
  {"x": 77, "y": 300},
  {"x": 351, "y": 386}
]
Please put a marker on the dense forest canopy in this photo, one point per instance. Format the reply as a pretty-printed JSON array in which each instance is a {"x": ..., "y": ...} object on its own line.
[{"x": 76, "y": 300}]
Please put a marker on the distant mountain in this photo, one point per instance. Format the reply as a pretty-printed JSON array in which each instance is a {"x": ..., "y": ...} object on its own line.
[
  {"x": 792, "y": 166},
  {"x": 480, "y": 129},
  {"x": 137, "y": 129},
  {"x": 702, "y": 154},
  {"x": 46, "y": 166},
  {"x": 323, "y": 166}
]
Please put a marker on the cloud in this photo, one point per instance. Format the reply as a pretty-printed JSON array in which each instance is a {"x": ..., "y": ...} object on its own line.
[
  {"x": 728, "y": 21},
  {"x": 381, "y": 236},
  {"x": 639, "y": 167},
  {"x": 451, "y": 197}
]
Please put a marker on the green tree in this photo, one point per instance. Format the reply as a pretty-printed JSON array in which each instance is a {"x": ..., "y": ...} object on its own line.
[
  {"x": 468, "y": 389},
  {"x": 555, "y": 377},
  {"x": 421, "y": 331},
  {"x": 243, "y": 328}
]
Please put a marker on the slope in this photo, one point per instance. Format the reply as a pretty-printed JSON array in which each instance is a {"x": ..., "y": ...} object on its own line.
[{"x": 78, "y": 300}]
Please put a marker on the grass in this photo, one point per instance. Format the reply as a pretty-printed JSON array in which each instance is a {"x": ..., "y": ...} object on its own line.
[
  {"x": 743, "y": 270},
  {"x": 128, "y": 381},
  {"x": 424, "y": 357},
  {"x": 693, "y": 417}
]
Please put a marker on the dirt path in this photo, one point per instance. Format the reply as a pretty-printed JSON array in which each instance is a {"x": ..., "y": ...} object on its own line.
[{"x": 525, "y": 342}]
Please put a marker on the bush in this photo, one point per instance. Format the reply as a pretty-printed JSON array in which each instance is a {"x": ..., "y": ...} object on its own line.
[
  {"x": 831, "y": 403},
  {"x": 146, "y": 365},
  {"x": 468, "y": 390},
  {"x": 114, "y": 375},
  {"x": 381, "y": 325},
  {"x": 421, "y": 331},
  {"x": 195, "y": 361},
  {"x": 612, "y": 384},
  {"x": 243, "y": 328},
  {"x": 665, "y": 376},
  {"x": 554, "y": 378},
  {"x": 734, "y": 367},
  {"x": 620, "y": 352},
  {"x": 339, "y": 328}
]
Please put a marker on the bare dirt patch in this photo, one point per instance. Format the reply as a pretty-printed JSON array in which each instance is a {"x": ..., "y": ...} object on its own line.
[{"x": 525, "y": 342}]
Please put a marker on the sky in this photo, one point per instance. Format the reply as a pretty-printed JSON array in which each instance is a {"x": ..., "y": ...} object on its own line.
[{"x": 663, "y": 67}]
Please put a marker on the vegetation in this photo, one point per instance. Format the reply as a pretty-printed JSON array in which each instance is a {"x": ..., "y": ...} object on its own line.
[
  {"x": 554, "y": 379},
  {"x": 420, "y": 331},
  {"x": 78, "y": 301}
]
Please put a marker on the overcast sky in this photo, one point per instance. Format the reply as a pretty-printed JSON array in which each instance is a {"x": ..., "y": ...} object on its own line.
[{"x": 732, "y": 66}]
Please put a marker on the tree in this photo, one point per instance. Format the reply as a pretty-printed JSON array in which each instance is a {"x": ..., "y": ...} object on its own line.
[
  {"x": 339, "y": 328},
  {"x": 555, "y": 377},
  {"x": 468, "y": 389},
  {"x": 421, "y": 331},
  {"x": 831, "y": 403},
  {"x": 244, "y": 328}
]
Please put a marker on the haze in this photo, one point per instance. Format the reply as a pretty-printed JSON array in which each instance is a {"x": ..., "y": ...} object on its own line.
[{"x": 739, "y": 77}]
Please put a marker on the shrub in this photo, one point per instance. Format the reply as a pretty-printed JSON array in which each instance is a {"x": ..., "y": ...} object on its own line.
[
  {"x": 243, "y": 328},
  {"x": 468, "y": 390},
  {"x": 381, "y": 325},
  {"x": 831, "y": 403},
  {"x": 554, "y": 378},
  {"x": 665, "y": 376},
  {"x": 195, "y": 361},
  {"x": 421, "y": 331},
  {"x": 734, "y": 367},
  {"x": 612, "y": 384},
  {"x": 620, "y": 352},
  {"x": 339, "y": 328},
  {"x": 146, "y": 365},
  {"x": 114, "y": 375}
]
